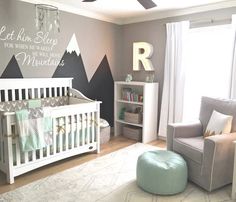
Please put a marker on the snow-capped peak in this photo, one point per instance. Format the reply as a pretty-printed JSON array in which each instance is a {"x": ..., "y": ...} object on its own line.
[{"x": 73, "y": 45}]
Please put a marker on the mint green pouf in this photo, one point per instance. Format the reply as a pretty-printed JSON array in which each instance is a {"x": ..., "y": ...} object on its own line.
[{"x": 161, "y": 172}]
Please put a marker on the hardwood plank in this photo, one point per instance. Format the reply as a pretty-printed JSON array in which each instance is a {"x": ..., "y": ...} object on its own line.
[{"x": 114, "y": 144}]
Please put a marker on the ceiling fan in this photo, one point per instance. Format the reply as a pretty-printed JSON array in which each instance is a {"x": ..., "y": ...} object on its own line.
[{"x": 147, "y": 4}]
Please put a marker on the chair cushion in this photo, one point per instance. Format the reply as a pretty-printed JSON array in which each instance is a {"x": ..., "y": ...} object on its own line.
[{"x": 190, "y": 147}]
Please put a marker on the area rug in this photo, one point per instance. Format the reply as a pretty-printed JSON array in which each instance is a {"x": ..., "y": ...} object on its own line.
[{"x": 110, "y": 178}]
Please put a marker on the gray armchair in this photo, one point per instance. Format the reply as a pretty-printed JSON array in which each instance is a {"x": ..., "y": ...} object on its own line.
[{"x": 210, "y": 161}]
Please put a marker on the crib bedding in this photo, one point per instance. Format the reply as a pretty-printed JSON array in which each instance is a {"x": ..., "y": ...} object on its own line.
[
  {"x": 60, "y": 136},
  {"x": 12, "y": 106},
  {"x": 60, "y": 145},
  {"x": 48, "y": 104},
  {"x": 32, "y": 137}
]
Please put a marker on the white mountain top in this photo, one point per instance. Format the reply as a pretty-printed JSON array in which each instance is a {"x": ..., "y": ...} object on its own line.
[{"x": 73, "y": 45}]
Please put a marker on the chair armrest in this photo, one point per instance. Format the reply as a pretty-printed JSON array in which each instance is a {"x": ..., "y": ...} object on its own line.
[
  {"x": 218, "y": 159},
  {"x": 184, "y": 130}
]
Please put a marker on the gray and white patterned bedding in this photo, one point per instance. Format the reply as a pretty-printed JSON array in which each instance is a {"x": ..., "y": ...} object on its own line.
[{"x": 12, "y": 106}]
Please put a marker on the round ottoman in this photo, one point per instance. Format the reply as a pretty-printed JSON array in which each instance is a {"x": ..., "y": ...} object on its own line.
[{"x": 161, "y": 172}]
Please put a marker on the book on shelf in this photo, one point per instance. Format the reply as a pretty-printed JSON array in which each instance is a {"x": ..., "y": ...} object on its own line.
[{"x": 129, "y": 95}]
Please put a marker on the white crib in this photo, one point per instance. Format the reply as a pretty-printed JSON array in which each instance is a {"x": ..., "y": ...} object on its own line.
[{"x": 81, "y": 115}]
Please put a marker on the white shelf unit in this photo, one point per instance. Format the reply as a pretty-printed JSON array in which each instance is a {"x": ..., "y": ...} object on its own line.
[{"x": 149, "y": 91}]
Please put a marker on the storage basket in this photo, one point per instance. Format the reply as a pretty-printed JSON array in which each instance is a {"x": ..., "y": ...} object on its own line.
[
  {"x": 105, "y": 135},
  {"x": 133, "y": 117},
  {"x": 132, "y": 132}
]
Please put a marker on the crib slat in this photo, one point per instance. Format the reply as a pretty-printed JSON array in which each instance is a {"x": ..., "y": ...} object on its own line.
[
  {"x": 40, "y": 153},
  {"x": 13, "y": 93},
  {"x": 55, "y": 92},
  {"x": 65, "y": 91},
  {"x": 60, "y": 133},
  {"x": 92, "y": 125},
  {"x": 38, "y": 93},
  {"x": 67, "y": 133},
  {"x": 18, "y": 157},
  {"x": 77, "y": 130},
  {"x": 26, "y": 156},
  {"x": 48, "y": 151},
  {"x": 33, "y": 155},
  {"x": 26, "y": 94},
  {"x": 87, "y": 128},
  {"x": 32, "y": 93},
  {"x": 20, "y": 94},
  {"x": 50, "y": 92},
  {"x": 6, "y": 95},
  {"x": 60, "y": 91},
  {"x": 54, "y": 136},
  {"x": 83, "y": 129},
  {"x": 72, "y": 131},
  {"x": 44, "y": 93}
]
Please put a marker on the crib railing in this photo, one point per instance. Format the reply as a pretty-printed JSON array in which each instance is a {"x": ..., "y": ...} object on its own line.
[
  {"x": 75, "y": 130},
  {"x": 30, "y": 88}
]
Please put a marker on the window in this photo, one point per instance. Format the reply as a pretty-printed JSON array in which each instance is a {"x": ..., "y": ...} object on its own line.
[{"x": 207, "y": 61}]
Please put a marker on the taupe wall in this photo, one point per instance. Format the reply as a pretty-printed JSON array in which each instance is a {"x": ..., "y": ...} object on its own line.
[{"x": 154, "y": 32}]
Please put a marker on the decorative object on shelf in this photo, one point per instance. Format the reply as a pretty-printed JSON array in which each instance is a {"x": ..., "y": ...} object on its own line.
[
  {"x": 128, "y": 78},
  {"x": 150, "y": 78},
  {"x": 129, "y": 95},
  {"x": 122, "y": 113},
  {"x": 47, "y": 17},
  {"x": 142, "y": 52},
  {"x": 134, "y": 116},
  {"x": 133, "y": 132}
]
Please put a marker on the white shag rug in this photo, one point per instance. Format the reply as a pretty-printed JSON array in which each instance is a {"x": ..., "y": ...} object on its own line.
[{"x": 110, "y": 178}]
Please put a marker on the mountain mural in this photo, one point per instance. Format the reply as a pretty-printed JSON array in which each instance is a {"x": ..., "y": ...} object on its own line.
[
  {"x": 73, "y": 67},
  {"x": 12, "y": 70},
  {"x": 100, "y": 87}
]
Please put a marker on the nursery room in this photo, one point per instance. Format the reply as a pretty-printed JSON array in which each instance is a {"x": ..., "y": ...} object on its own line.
[{"x": 118, "y": 100}]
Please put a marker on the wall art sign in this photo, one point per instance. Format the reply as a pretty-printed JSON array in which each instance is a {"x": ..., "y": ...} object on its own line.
[
  {"x": 142, "y": 52},
  {"x": 33, "y": 50}
]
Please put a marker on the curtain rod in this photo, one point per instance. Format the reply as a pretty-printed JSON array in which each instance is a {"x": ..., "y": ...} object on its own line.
[
  {"x": 211, "y": 21},
  {"x": 208, "y": 21}
]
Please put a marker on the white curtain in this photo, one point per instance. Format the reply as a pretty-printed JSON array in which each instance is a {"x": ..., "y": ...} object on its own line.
[
  {"x": 233, "y": 72},
  {"x": 173, "y": 86}
]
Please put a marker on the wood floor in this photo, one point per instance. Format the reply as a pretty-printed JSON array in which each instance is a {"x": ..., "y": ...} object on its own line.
[{"x": 113, "y": 145}]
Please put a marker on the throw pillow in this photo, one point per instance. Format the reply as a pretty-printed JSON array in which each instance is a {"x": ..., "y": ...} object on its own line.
[{"x": 219, "y": 123}]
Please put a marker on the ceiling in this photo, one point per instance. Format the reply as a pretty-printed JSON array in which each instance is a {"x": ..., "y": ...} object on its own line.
[{"x": 129, "y": 11}]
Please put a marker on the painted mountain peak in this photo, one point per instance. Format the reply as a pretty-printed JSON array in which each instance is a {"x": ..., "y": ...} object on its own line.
[
  {"x": 100, "y": 87},
  {"x": 12, "y": 70},
  {"x": 73, "y": 46}
]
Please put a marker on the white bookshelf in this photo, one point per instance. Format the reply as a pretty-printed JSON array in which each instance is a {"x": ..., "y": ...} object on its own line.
[{"x": 149, "y": 104}]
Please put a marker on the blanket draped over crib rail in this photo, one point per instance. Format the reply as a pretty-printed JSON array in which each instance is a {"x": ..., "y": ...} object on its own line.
[{"x": 35, "y": 128}]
